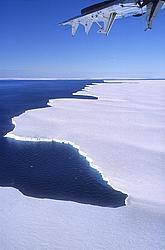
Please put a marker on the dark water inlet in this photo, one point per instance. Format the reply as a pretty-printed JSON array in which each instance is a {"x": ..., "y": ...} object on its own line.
[
  {"x": 55, "y": 171},
  {"x": 47, "y": 169}
]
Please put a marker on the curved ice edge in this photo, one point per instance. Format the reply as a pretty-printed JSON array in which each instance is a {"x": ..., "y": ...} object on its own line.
[
  {"x": 84, "y": 91},
  {"x": 91, "y": 162}
]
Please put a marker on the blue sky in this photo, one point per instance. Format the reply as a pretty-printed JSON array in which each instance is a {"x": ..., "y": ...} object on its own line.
[{"x": 33, "y": 45}]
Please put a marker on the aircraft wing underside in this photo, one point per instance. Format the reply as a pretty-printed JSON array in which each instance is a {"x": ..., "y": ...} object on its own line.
[{"x": 105, "y": 17}]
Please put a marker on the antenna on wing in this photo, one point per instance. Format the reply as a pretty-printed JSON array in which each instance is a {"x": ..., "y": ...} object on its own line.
[
  {"x": 108, "y": 22},
  {"x": 74, "y": 27},
  {"x": 88, "y": 26}
]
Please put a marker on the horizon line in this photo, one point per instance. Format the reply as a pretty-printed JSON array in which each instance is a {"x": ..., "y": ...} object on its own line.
[{"x": 81, "y": 78}]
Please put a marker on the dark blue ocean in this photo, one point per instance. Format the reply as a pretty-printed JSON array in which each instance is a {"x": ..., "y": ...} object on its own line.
[{"x": 47, "y": 169}]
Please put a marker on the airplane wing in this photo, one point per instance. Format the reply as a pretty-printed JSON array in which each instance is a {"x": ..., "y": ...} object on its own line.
[{"x": 105, "y": 13}]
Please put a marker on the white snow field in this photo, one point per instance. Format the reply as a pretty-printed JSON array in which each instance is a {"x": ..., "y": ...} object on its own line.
[{"x": 123, "y": 132}]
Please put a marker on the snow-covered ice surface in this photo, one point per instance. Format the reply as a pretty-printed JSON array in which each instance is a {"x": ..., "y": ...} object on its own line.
[
  {"x": 28, "y": 223},
  {"x": 123, "y": 133}
]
